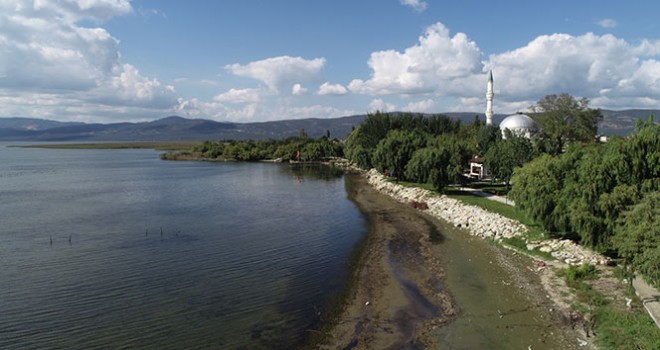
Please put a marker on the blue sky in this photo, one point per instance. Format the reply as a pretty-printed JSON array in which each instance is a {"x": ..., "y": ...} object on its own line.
[{"x": 258, "y": 60}]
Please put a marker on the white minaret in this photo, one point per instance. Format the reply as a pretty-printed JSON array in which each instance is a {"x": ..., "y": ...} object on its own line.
[{"x": 489, "y": 99}]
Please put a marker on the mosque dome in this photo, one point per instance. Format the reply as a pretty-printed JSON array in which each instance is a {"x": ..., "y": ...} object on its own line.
[{"x": 519, "y": 124}]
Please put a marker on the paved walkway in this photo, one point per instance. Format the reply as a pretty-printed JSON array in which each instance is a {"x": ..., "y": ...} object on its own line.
[
  {"x": 490, "y": 196},
  {"x": 650, "y": 298}
]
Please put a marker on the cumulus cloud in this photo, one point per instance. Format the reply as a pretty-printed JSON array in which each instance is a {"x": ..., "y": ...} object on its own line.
[
  {"x": 581, "y": 65},
  {"x": 424, "y": 106},
  {"x": 644, "y": 81},
  {"x": 195, "y": 108},
  {"x": 607, "y": 23},
  {"x": 239, "y": 96},
  {"x": 46, "y": 54},
  {"x": 131, "y": 88},
  {"x": 417, "y": 5},
  {"x": 277, "y": 72},
  {"x": 298, "y": 89},
  {"x": 49, "y": 57},
  {"x": 70, "y": 11},
  {"x": 332, "y": 89},
  {"x": 382, "y": 106},
  {"x": 437, "y": 60},
  {"x": 610, "y": 71}
]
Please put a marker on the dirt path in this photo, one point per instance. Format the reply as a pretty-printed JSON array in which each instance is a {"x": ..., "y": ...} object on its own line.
[{"x": 398, "y": 296}]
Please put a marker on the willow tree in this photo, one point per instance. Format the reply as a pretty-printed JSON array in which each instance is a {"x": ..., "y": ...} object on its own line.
[
  {"x": 395, "y": 151},
  {"x": 638, "y": 237}
]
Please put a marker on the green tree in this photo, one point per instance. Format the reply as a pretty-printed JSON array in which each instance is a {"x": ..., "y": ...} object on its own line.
[
  {"x": 486, "y": 137},
  {"x": 536, "y": 189},
  {"x": 563, "y": 119},
  {"x": 395, "y": 151},
  {"x": 507, "y": 154},
  {"x": 423, "y": 162},
  {"x": 638, "y": 237}
]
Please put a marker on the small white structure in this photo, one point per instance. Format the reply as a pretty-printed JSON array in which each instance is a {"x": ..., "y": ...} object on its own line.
[
  {"x": 519, "y": 124},
  {"x": 477, "y": 169}
]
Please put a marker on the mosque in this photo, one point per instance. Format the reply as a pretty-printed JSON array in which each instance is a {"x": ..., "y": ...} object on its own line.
[{"x": 519, "y": 124}]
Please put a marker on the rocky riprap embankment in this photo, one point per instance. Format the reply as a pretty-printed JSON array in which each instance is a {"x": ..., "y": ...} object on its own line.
[
  {"x": 480, "y": 222},
  {"x": 477, "y": 221},
  {"x": 568, "y": 251}
]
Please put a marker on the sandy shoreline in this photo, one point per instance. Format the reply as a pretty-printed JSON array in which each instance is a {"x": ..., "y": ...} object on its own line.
[
  {"x": 398, "y": 299},
  {"x": 398, "y": 295}
]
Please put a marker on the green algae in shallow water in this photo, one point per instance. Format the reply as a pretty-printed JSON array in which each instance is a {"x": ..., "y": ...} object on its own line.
[{"x": 495, "y": 313}]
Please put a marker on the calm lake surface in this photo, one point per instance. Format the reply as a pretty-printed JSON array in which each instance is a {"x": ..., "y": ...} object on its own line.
[{"x": 118, "y": 249}]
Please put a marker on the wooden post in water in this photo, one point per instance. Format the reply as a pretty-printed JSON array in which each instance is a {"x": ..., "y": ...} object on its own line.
[{"x": 51, "y": 240}]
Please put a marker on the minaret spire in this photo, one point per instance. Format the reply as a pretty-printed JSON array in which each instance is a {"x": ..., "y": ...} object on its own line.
[{"x": 489, "y": 99}]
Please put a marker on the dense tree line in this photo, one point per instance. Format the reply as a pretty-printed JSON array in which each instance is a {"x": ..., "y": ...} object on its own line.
[
  {"x": 606, "y": 194},
  {"x": 425, "y": 149},
  {"x": 300, "y": 148}
]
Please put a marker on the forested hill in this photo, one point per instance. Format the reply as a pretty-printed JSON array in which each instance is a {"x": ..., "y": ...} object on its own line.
[{"x": 176, "y": 128}]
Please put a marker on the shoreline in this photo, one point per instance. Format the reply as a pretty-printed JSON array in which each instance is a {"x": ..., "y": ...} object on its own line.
[{"x": 399, "y": 296}]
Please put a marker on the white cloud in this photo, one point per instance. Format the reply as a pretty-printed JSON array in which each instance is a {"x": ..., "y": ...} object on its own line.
[
  {"x": 131, "y": 88},
  {"x": 53, "y": 67},
  {"x": 607, "y": 23},
  {"x": 70, "y": 11},
  {"x": 298, "y": 89},
  {"x": 281, "y": 71},
  {"x": 239, "y": 96},
  {"x": 644, "y": 81},
  {"x": 332, "y": 89},
  {"x": 314, "y": 111},
  {"x": 424, "y": 106},
  {"x": 256, "y": 111},
  {"x": 580, "y": 65},
  {"x": 382, "y": 106},
  {"x": 50, "y": 55},
  {"x": 610, "y": 71},
  {"x": 435, "y": 62},
  {"x": 417, "y": 5}
]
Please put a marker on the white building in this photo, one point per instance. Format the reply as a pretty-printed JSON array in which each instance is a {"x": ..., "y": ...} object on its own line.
[
  {"x": 520, "y": 125},
  {"x": 477, "y": 169}
]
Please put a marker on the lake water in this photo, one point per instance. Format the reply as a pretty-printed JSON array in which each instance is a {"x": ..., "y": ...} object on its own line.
[{"x": 118, "y": 249}]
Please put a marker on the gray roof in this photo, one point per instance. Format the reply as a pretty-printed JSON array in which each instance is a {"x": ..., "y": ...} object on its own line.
[{"x": 518, "y": 122}]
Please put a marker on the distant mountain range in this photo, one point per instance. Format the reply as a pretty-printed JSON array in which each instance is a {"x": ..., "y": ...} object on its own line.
[{"x": 181, "y": 129}]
